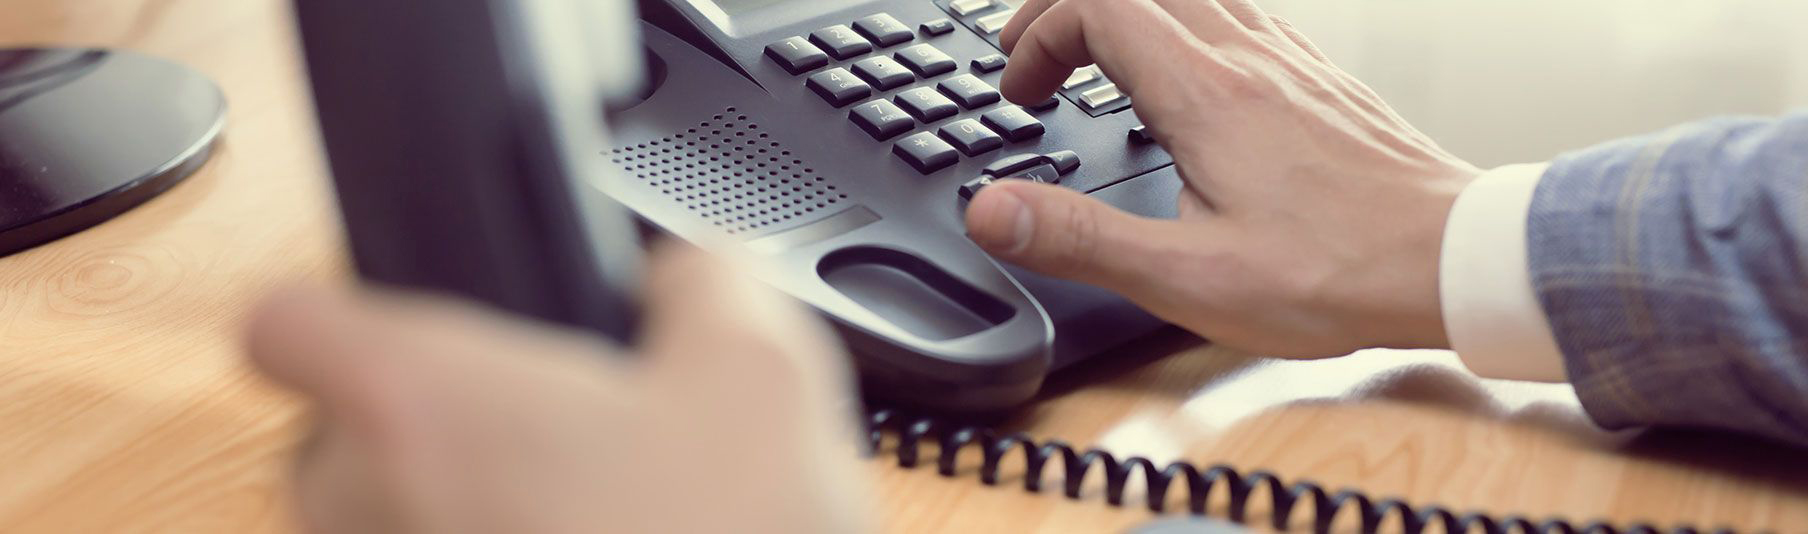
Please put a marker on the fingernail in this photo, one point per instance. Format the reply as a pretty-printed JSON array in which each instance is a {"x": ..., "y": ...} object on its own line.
[{"x": 1009, "y": 222}]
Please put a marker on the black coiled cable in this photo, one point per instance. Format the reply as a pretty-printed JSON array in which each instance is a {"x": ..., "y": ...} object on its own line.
[{"x": 913, "y": 431}]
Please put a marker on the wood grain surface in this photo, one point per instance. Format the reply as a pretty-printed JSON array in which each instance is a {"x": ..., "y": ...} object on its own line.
[{"x": 124, "y": 406}]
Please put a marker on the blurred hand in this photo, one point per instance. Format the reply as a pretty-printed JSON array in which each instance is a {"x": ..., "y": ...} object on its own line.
[
  {"x": 1312, "y": 217},
  {"x": 439, "y": 417}
]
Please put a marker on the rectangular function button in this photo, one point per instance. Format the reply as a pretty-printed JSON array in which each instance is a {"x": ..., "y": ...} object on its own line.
[
  {"x": 884, "y": 29},
  {"x": 881, "y": 119},
  {"x": 1013, "y": 123},
  {"x": 991, "y": 63},
  {"x": 1140, "y": 135},
  {"x": 992, "y": 23},
  {"x": 883, "y": 72},
  {"x": 927, "y": 105},
  {"x": 797, "y": 56},
  {"x": 969, "y": 7},
  {"x": 838, "y": 86},
  {"x": 937, "y": 27},
  {"x": 840, "y": 41},
  {"x": 970, "y": 91},
  {"x": 1010, "y": 165},
  {"x": 1081, "y": 77},
  {"x": 927, "y": 61},
  {"x": 925, "y": 152},
  {"x": 1102, "y": 96},
  {"x": 971, "y": 137}
]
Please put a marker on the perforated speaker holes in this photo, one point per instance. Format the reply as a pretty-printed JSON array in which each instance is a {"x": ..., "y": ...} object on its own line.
[{"x": 732, "y": 174}]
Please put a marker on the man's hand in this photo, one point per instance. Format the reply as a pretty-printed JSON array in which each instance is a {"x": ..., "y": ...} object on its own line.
[
  {"x": 1312, "y": 216},
  {"x": 440, "y": 417}
]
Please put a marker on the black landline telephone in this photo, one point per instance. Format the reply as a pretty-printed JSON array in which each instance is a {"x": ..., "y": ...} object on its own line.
[
  {"x": 838, "y": 139},
  {"x": 467, "y": 143}
]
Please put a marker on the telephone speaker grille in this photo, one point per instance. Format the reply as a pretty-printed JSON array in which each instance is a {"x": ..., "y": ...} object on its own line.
[{"x": 734, "y": 175}]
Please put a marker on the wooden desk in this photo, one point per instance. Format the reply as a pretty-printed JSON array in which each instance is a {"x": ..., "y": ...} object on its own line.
[{"x": 125, "y": 406}]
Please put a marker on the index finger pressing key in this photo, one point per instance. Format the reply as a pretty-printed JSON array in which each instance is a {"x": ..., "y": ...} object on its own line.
[{"x": 1133, "y": 41}]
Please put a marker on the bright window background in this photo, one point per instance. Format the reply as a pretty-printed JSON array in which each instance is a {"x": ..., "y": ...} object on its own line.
[{"x": 1504, "y": 81}]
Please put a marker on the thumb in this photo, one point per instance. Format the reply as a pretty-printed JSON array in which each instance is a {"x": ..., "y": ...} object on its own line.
[{"x": 1061, "y": 232}]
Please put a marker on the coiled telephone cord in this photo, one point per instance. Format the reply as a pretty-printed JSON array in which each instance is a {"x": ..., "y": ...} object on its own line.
[{"x": 1323, "y": 506}]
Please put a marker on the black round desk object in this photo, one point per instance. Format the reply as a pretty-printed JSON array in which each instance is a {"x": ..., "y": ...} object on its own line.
[{"x": 86, "y": 134}]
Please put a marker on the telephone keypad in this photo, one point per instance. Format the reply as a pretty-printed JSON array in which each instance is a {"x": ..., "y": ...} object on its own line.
[
  {"x": 971, "y": 137},
  {"x": 925, "y": 152},
  {"x": 927, "y": 105},
  {"x": 938, "y": 148},
  {"x": 884, "y": 73},
  {"x": 797, "y": 55},
  {"x": 881, "y": 119},
  {"x": 1015, "y": 124},
  {"x": 841, "y": 41},
  {"x": 838, "y": 86},
  {"x": 970, "y": 91},
  {"x": 885, "y": 30},
  {"x": 927, "y": 61}
]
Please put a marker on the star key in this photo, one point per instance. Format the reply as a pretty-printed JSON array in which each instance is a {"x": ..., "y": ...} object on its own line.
[{"x": 925, "y": 152}]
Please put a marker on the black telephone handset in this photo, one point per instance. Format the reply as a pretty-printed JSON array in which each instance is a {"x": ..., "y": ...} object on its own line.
[{"x": 459, "y": 139}]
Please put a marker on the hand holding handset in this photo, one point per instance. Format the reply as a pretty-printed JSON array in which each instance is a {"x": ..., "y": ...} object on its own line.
[{"x": 462, "y": 142}]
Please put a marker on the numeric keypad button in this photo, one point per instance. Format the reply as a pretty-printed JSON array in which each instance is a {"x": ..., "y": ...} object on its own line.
[
  {"x": 841, "y": 41},
  {"x": 927, "y": 105},
  {"x": 927, "y": 61},
  {"x": 838, "y": 86},
  {"x": 884, "y": 29},
  {"x": 971, "y": 137},
  {"x": 970, "y": 91},
  {"x": 1013, "y": 124},
  {"x": 883, "y": 72},
  {"x": 925, "y": 152},
  {"x": 881, "y": 119},
  {"x": 797, "y": 55}
]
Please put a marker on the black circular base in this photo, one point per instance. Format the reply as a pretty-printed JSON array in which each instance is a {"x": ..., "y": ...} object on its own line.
[{"x": 87, "y": 134}]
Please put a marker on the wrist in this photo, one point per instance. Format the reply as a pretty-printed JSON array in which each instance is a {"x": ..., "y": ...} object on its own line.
[{"x": 1405, "y": 310}]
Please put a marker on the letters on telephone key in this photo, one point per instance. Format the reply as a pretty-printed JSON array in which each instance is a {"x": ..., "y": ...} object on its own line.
[
  {"x": 927, "y": 105},
  {"x": 881, "y": 119},
  {"x": 838, "y": 86},
  {"x": 884, "y": 29},
  {"x": 970, "y": 91},
  {"x": 927, "y": 61},
  {"x": 840, "y": 41},
  {"x": 883, "y": 72}
]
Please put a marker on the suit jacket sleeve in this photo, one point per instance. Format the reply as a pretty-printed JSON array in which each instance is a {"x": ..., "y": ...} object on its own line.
[{"x": 1674, "y": 271}]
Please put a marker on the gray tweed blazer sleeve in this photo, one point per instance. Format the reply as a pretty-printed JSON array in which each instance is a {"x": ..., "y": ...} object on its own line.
[{"x": 1674, "y": 271}]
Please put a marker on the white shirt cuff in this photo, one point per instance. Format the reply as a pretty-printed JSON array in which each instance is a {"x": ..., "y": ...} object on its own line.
[{"x": 1491, "y": 312}]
